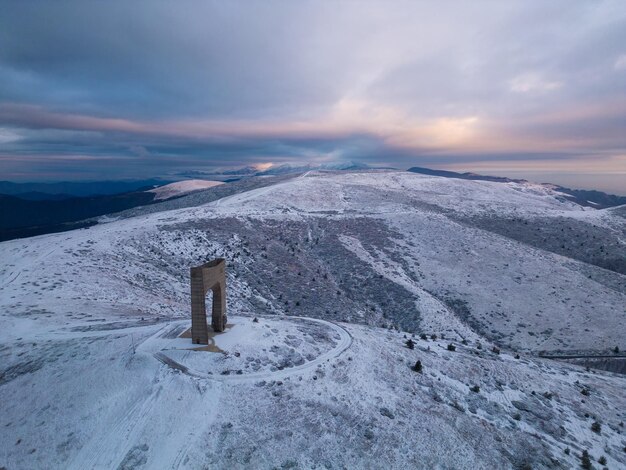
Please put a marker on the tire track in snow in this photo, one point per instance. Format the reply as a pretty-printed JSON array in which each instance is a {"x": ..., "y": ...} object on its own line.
[
  {"x": 13, "y": 279},
  {"x": 204, "y": 421},
  {"x": 113, "y": 442},
  {"x": 345, "y": 341}
]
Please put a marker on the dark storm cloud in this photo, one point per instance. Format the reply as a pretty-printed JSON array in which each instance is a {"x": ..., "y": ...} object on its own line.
[
  {"x": 159, "y": 86},
  {"x": 151, "y": 59}
]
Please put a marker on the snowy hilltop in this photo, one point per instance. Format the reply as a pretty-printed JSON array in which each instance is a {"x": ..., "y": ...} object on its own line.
[
  {"x": 182, "y": 187},
  {"x": 377, "y": 319}
]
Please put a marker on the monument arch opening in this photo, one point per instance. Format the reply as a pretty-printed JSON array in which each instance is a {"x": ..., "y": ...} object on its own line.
[{"x": 210, "y": 276}]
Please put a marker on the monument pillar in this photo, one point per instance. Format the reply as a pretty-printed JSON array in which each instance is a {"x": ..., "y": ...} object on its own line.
[{"x": 209, "y": 276}]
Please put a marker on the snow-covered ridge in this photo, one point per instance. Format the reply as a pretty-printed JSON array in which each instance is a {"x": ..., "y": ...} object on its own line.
[
  {"x": 386, "y": 191},
  {"x": 384, "y": 256},
  {"x": 181, "y": 187}
]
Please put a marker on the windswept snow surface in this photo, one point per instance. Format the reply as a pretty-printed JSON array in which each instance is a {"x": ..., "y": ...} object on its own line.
[
  {"x": 182, "y": 187},
  {"x": 92, "y": 374}
]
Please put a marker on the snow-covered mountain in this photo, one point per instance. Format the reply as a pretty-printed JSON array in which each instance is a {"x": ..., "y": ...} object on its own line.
[
  {"x": 340, "y": 269},
  {"x": 288, "y": 168},
  {"x": 597, "y": 199},
  {"x": 182, "y": 187},
  {"x": 282, "y": 169}
]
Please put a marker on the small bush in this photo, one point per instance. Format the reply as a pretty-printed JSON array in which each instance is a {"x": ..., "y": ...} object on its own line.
[
  {"x": 418, "y": 366},
  {"x": 256, "y": 320},
  {"x": 424, "y": 337},
  {"x": 433, "y": 337},
  {"x": 585, "y": 461},
  {"x": 602, "y": 460},
  {"x": 616, "y": 350},
  {"x": 596, "y": 427},
  {"x": 451, "y": 347},
  {"x": 475, "y": 389},
  {"x": 410, "y": 344}
]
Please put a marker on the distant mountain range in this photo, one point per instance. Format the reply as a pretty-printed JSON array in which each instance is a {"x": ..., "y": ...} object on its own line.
[
  {"x": 589, "y": 198},
  {"x": 284, "y": 169},
  {"x": 29, "y": 209},
  {"x": 68, "y": 189},
  {"x": 36, "y": 213},
  {"x": 25, "y": 218}
]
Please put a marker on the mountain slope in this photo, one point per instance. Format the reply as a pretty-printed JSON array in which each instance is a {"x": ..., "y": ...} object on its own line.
[
  {"x": 589, "y": 198},
  {"x": 90, "y": 316},
  {"x": 181, "y": 188}
]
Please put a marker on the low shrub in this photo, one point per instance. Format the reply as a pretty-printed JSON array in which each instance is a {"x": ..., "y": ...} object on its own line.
[
  {"x": 585, "y": 461},
  {"x": 596, "y": 427}
]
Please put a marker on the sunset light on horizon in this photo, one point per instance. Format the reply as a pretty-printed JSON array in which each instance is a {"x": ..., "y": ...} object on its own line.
[{"x": 538, "y": 88}]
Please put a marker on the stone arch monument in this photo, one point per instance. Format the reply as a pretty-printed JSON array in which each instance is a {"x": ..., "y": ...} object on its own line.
[{"x": 211, "y": 276}]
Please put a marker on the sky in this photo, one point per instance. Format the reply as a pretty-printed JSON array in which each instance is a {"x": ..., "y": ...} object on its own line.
[{"x": 113, "y": 90}]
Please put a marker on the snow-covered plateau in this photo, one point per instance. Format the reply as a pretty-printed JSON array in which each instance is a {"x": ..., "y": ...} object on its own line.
[
  {"x": 340, "y": 270},
  {"x": 181, "y": 187}
]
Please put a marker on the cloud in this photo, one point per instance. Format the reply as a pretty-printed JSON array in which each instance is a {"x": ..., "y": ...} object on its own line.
[
  {"x": 166, "y": 85},
  {"x": 620, "y": 63},
  {"x": 532, "y": 82},
  {"x": 8, "y": 135},
  {"x": 139, "y": 150}
]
